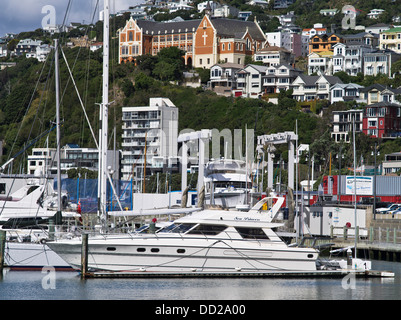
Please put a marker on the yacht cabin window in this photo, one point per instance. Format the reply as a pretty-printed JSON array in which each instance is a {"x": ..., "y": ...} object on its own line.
[
  {"x": 208, "y": 229},
  {"x": 177, "y": 228},
  {"x": 252, "y": 233}
]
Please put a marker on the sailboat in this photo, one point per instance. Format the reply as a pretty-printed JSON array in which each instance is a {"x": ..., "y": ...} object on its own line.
[
  {"x": 26, "y": 248},
  {"x": 352, "y": 262}
]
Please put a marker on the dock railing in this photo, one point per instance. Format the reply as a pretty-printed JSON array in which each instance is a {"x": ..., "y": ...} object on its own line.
[{"x": 367, "y": 235}]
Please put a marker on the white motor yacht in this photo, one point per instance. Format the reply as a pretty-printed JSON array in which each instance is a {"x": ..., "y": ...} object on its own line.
[
  {"x": 227, "y": 183},
  {"x": 208, "y": 241}
]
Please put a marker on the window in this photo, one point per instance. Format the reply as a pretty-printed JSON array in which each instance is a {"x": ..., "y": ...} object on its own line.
[
  {"x": 337, "y": 93},
  {"x": 208, "y": 229},
  {"x": 177, "y": 228},
  {"x": 252, "y": 233}
]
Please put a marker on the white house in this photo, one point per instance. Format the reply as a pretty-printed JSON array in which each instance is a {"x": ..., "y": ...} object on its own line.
[
  {"x": 379, "y": 61},
  {"x": 249, "y": 81},
  {"x": 320, "y": 63},
  {"x": 317, "y": 29},
  {"x": 3, "y": 50},
  {"x": 42, "y": 52},
  {"x": 261, "y": 3},
  {"x": 328, "y": 12},
  {"x": 278, "y": 78},
  {"x": 223, "y": 78},
  {"x": 375, "y": 13},
  {"x": 274, "y": 56},
  {"x": 346, "y": 92},
  {"x": 377, "y": 28},
  {"x": 349, "y": 57},
  {"x": 307, "y": 88}
]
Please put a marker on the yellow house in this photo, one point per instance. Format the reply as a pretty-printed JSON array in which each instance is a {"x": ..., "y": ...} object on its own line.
[{"x": 391, "y": 39}]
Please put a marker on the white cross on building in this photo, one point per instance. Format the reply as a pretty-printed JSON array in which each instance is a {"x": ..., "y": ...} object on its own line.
[{"x": 204, "y": 38}]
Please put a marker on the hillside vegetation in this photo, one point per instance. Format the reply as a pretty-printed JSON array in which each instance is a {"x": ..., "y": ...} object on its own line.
[{"x": 27, "y": 102}]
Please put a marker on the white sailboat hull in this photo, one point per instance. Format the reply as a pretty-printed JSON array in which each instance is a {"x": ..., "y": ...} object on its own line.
[
  {"x": 32, "y": 256},
  {"x": 174, "y": 254}
]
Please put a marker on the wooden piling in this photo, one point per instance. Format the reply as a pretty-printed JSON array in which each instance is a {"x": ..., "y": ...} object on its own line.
[
  {"x": 84, "y": 256},
  {"x": 2, "y": 250}
]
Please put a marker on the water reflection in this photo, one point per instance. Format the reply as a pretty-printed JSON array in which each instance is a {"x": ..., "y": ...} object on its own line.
[{"x": 28, "y": 285}]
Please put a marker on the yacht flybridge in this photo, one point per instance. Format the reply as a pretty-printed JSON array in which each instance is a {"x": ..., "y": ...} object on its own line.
[{"x": 218, "y": 241}]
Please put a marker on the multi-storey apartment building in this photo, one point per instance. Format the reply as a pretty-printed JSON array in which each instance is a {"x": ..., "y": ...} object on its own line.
[
  {"x": 382, "y": 120},
  {"x": 343, "y": 124},
  {"x": 149, "y": 137}
]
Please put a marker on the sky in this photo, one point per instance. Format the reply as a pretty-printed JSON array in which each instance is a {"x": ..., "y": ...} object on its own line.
[{"x": 26, "y": 15}]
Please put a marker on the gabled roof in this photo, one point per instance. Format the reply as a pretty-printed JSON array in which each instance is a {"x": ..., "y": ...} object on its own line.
[
  {"x": 382, "y": 104},
  {"x": 311, "y": 80},
  {"x": 347, "y": 86},
  {"x": 237, "y": 28},
  {"x": 176, "y": 26},
  {"x": 257, "y": 67},
  {"x": 229, "y": 65},
  {"x": 381, "y": 88},
  {"x": 308, "y": 80},
  {"x": 331, "y": 79}
]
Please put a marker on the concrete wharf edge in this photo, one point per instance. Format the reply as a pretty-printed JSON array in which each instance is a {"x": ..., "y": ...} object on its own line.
[{"x": 272, "y": 274}]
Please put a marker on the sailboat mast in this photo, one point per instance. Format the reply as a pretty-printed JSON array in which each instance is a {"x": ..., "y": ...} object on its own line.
[
  {"x": 355, "y": 217},
  {"x": 58, "y": 126},
  {"x": 103, "y": 124}
]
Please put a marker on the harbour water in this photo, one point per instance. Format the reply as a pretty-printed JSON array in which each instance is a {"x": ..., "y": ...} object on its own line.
[{"x": 31, "y": 285}]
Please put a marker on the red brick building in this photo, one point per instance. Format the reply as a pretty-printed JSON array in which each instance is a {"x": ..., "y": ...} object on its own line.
[{"x": 205, "y": 42}]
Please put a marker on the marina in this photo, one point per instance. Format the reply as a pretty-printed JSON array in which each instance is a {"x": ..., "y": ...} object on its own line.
[{"x": 230, "y": 237}]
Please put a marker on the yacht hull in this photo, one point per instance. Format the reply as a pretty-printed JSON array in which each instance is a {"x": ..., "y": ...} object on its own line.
[
  {"x": 148, "y": 254},
  {"x": 26, "y": 256}
]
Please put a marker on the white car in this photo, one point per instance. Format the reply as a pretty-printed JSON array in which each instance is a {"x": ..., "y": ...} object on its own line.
[{"x": 389, "y": 208}]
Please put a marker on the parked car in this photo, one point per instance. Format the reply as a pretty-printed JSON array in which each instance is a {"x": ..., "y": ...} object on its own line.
[
  {"x": 391, "y": 207},
  {"x": 393, "y": 210},
  {"x": 397, "y": 211}
]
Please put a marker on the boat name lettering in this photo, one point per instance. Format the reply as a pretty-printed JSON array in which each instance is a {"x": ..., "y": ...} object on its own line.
[{"x": 246, "y": 219}]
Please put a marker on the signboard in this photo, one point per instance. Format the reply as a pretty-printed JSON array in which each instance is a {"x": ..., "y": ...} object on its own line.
[{"x": 364, "y": 185}]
